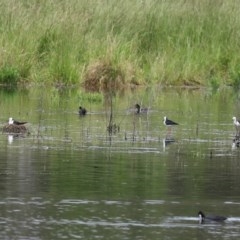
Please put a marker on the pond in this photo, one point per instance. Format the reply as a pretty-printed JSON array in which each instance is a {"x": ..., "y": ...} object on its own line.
[{"x": 70, "y": 178}]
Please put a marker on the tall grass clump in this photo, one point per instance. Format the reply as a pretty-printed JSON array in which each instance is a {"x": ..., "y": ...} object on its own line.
[
  {"x": 169, "y": 42},
  {"x": 103, "y": 75},
  {"x": 9, "y": 76}
]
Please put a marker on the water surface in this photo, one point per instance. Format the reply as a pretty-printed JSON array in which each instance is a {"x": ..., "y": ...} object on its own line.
[{"x": 70, "y": 179}]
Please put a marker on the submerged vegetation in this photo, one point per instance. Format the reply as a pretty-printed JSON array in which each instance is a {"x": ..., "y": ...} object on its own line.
[{"x": 171, "y": 42}]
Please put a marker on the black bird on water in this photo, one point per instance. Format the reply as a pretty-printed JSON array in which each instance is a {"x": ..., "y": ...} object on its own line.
[
  {"x": 140, "y": 110},
  {"x": 215, "y": 218},
  {"x": 82, "y": 111}
]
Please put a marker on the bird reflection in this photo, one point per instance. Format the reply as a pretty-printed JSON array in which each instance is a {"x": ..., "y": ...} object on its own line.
[
  {"x": 167, "y": 141},
  {"x": 11, "y": 137},
  {"x": 236, "y": 142}
]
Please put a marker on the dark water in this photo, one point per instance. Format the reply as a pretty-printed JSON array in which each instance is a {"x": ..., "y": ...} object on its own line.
[{"x": 70, "y": 179}]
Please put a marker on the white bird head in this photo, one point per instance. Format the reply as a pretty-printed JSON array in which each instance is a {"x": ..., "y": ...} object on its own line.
[
  {"x": 164, "y": 120},
  {"x": 10, "y": 121}
]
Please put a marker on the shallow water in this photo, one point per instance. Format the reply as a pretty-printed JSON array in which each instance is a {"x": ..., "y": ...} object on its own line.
[{"x": 70, "y": 179}]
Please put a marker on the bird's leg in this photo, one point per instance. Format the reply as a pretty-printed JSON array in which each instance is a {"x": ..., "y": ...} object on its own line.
[
  {"x": 237, "y": 131},
  {"x": 169, "y": 131}
]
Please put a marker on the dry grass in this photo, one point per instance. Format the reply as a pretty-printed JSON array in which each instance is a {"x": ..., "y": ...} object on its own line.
[{"x": 103, "y": 76}]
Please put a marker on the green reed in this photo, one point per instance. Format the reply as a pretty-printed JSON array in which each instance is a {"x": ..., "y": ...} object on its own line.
[{"x": 154, "y": 41}]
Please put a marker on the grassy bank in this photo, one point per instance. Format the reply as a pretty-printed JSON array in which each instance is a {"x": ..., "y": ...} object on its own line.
[{"x": 151, "y": 41}]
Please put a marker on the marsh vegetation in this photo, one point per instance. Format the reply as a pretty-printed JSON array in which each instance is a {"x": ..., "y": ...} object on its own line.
[{"x": 172, "y": 42}]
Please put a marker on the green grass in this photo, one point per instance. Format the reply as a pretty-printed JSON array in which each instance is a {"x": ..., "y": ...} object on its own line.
[
  {"x": 89, "y": 97},
  {"x": 9, "y": 76},
  {"x": 152, "y": 41}
]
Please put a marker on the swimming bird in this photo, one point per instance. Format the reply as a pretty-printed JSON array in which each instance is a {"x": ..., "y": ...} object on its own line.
[
  {"x": 12, "y": 121},
  {"x": 140, "y": 110},
  {"x": 82, "y": 111},
  {"x": 216, "y": 218},
  {"x": 169, "y": 122}
]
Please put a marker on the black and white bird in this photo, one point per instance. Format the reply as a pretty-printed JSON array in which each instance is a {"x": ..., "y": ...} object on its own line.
[
  {"x": 236, "y": 122},
  {"x": 215, "y": 218},
  {"x": 82, "y": 111},
  {"x": 14, "y": 122},
  {"x": 140, "y": 110},
  {"x": 169, "y": 122}
]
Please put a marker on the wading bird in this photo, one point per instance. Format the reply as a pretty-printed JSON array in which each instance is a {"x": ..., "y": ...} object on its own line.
[
  {"x": 169, "y": 122},
  {"x": 236, "y": 124}
]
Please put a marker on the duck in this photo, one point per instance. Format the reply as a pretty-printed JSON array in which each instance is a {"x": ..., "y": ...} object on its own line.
[
  {"x": 215, "y": 218},
  {"x": 140, "y": 110},
  {"x": 169, "y": 122},
  {"x": 14, "y": 122},
  {"x": 82, "y": 111}
]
